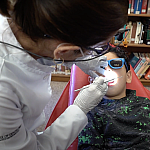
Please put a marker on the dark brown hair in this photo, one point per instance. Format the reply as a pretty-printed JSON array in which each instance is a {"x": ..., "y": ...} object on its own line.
[{"x": 81, "y": 22}]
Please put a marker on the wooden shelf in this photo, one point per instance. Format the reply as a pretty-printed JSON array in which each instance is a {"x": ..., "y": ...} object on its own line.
[
  {"x": 145, "y": 82},
  {"x": 135, "y": 45},
  {"x": 131, "y": 48},
  {"x": 138, "y": 48},
  {"x": 138, "y": 15},
  {"x": 60, "y": 77}
]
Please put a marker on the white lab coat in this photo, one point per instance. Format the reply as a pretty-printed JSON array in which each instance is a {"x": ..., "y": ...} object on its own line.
[{"x": 24, "y": 92}]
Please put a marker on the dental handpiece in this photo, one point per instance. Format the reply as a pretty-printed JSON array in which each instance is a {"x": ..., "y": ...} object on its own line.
[{"x": 96, "y": 83}]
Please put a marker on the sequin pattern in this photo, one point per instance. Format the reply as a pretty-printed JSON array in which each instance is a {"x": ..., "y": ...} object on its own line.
[{"x": 122, "y": 124}]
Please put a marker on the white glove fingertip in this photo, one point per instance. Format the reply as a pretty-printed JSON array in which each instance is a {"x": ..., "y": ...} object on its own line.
[
  {"x": 100, "y": 70},
  {"x": 100, "y": 80},
  {"x": 92, "y": 74}
]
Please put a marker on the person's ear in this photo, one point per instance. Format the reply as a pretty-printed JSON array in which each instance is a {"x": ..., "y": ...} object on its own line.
[
  {"x": 64, "y": 48},
  {"x": 129, "y": 76}
]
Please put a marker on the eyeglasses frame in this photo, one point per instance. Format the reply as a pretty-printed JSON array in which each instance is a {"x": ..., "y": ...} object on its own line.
[{"x": 123, "y": 63}]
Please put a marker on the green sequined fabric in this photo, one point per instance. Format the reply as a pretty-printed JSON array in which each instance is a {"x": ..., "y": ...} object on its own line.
[{"x": 122, "y": 124}]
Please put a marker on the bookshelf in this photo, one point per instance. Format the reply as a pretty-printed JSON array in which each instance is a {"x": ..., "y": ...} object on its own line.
[
  {"x": 131, "y": 48},
  {"x": 60, "y": 77},
  {"x": 145, "y": 82},
  {"x": 139, "y": 15},
  {"x": 139, "y": 48},
  {"x": 136, "y": 47}
]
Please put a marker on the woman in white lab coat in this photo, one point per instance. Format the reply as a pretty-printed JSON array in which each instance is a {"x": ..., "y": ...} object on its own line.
[{"x": 32, "y": 34}]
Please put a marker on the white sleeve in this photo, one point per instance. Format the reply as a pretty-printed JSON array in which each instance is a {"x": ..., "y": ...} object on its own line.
[
  {"x": 14, "y": 135},
  {"x": 64, "y": 130}
]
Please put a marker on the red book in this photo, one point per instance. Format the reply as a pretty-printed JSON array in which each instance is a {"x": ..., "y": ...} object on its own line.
[
  {"x": 144, "y": 6},
  {"x": 133, "y": 32},
  {"x": 132, "y": 6}
]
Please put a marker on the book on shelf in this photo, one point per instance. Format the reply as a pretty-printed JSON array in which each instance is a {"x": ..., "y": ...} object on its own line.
[
  {"x": 148, "y": 33},
  {"x": 133, "y": 59},
  {"x": 144, "y": 7},
  {"x": 143, "y": 71},
  {"x": 146, "y": 38},
  {"x": 132, "y": 6},
  {"x": 145, "y": 33},
  {"x": 141, "y": 35},
  {"x": 148, "y": 7},
  {"x": 143, "y": 67},
  {"x": 138, "y": 32},
  {"x": 133, "y": 33},
  {"x": 129, "y": 26},
  {"x": 140, "y": 63},
  {"x": 137, "y": 62},
  {"x": 136, "y": 6},
  {"x": 60, "y": 69},
  {"x": 147, "y": 75},
  {"x": 129, "y": 9},
  {"x": 139, "y": 7}
]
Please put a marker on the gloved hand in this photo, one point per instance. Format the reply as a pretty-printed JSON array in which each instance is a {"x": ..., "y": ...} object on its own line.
[
  {"x": 91, "y": 66},
  {"x": 91, "y": 96}
]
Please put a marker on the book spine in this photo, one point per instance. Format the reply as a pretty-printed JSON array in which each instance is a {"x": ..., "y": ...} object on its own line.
[
  {"x": 133, "y": 32},
  {"x": 145, "y": 33},
  {"x": 138, "y": 31},
  {"x": 142, "y": 68},
  {"x": 133, "y": 59},
  {"x": 143, "y": 72},
  {"x": 139, "y": 66},
  {"x": 136, "y": 7},
  {"x": 132, "y": 6},
  {"x": 144, "y": 6},
  {"x": 148, "y": 7},
  {"x": 140, "y": 6},
  {"x": 141, "y": 35},
  {"x": 148, "y": 33},
  {"x": 129, "y": 35},
  {"x": 137, "y": 63},
  {"x": 129, "y": 9},
  {"x": 147, "y": 75}
]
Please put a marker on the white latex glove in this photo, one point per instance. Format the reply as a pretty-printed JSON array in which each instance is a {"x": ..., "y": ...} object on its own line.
[
  {"x": 91, "y": 95},
  {"x": 90, "y": 66}
]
